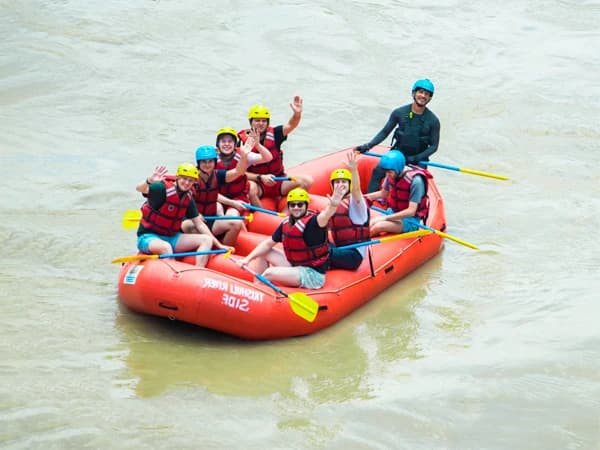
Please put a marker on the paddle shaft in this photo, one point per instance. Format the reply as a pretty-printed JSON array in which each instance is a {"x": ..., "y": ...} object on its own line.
[
  {"x": 181, "y": 254},
  {"x": 269, "y": 283},
  {"x": 408, "y": 235},
  {"x": 264, "y": 279},
  {"x": 145, "y": 257},
  {"x": 462, "y": 169},
  {"x": 455, "y": 168},
  {"x": 258, "y": 208},
  {"x": 433, "y": 230},
  {"x": 225, "y": 217},
  {"x": 137, "y": 219}
]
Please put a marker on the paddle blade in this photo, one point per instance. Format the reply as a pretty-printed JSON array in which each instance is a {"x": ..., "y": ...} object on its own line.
[
  {"x": 303, "y": 306},
  {"x": 484, "y": 174},
  {"x": 124, "y": 259},
  {"x": 131, "y": 219},
  {"x": 457, "y": 240}
]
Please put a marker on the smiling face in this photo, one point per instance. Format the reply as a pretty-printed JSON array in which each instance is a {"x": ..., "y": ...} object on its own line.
[
  {"x": 421, "y": 97},
  {"x": 297, "y": 209},
  {"x": 226, "y": 145}
]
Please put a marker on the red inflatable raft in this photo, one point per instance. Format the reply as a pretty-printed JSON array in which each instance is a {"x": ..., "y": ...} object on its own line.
[{"x": 226, "y": 298}]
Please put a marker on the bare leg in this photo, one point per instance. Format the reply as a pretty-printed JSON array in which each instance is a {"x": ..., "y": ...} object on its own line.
[
  {"x": 280, "y": 270},
  {"x": 230, "y": 228},
  {"x": 275, "y": 257},
  {"x": 234, "y": 212},
  {"x": 386, "y": 226},
  {"x": 195, "y": 242},
  {"x": 289, "y": 276},
  {"x": 159, "y": 247},
  {"x": 254, "y": 194}
]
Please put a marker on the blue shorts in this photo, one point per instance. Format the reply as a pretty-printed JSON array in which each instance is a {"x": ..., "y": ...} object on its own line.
[
  {"x": 410, "y": 224},
  {"x": 310, "y": 278},
  {"x": 144, "y": 240}
]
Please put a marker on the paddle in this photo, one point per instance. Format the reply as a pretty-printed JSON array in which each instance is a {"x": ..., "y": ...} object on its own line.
[
  {"x": 409, "y": 235},
  {"x": 266, "y": 211},
  {"x": 462, "y": 169},
  {"x": 130, "y": 258},
  {"x": 433, "y": 230},
  {"x": 284, "y": 178},
  {"x": 302, "y": 305},
  {"x": 458, "y": 169},
  {"x": 132, "y": 217}
]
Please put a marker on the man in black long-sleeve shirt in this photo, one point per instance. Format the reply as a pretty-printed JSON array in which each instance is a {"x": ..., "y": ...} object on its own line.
[{"x": 417, "y": 133}]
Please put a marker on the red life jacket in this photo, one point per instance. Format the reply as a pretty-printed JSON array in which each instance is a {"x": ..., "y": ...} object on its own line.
[
  {"x": 400, "y": 192},
  {"x": 343, "y": 230},
  {"x": 237, "y": 188},
  {"x": 206, "y": 194},
  {"x": 295, "y": 248},
  {"x": 275, "y": 166},
  {"x": 167, "y": 219}
]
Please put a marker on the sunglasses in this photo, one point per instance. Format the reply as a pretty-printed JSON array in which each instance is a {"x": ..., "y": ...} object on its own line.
[{"x": 296, "y": 205}]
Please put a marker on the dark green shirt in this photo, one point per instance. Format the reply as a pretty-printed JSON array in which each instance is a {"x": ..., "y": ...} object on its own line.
[{"x": 157, "y": 195}]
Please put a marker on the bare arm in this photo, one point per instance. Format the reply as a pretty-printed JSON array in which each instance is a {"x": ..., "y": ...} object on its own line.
[
  {"x": 241, "y": 166},
  {"x": 294, "y": 121},
  {"x": 263, "y": 155},
  {"x": 352, "y": 163},
  {"x": 376, "y": 195},
  {"x": 230, "y": 203},
  {"x": 261, "y": 249},
  {"x": 334, "y": 201},
  {"x": 410, "y": 211},
  {"x": 202, "y": 228}
]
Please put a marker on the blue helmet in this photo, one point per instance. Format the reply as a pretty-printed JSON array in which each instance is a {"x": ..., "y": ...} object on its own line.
[
  {"x": 393, "y": 160},
  {"x": 425, "y": 84},
  {"x": 206, "y": 152}
]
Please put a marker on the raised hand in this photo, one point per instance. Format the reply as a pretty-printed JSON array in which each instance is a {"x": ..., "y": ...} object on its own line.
[
  {"x": 255, "y": 135},
  {"x": 353, "y": 158},
  {"x": 338, "y": 194},
  {"x": 159, "y": 174},
  {"x": 296, "y": 104},
  {"x": 248, "y": 146}
]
